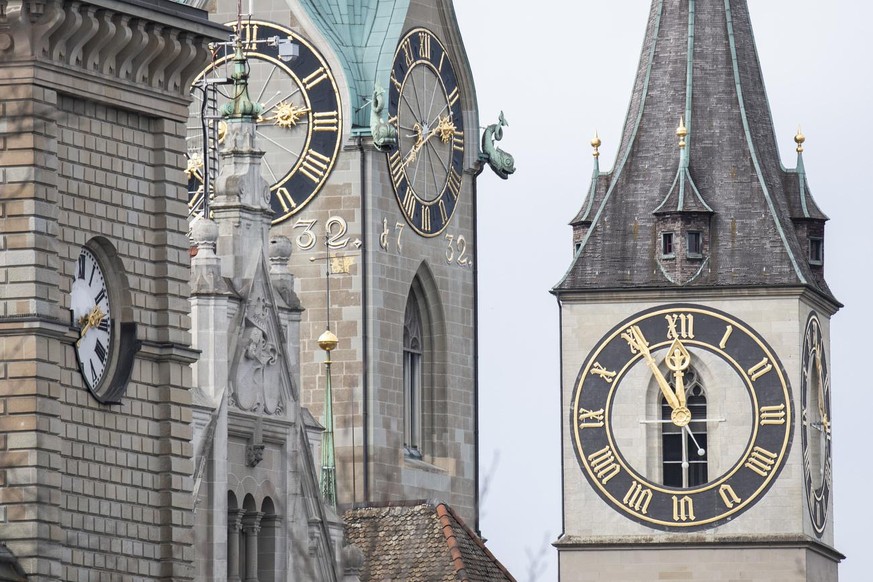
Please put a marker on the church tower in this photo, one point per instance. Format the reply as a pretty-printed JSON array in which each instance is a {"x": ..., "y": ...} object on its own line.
[
  {"x": 695, "y": 331},
  {"x": 372, "y": 150}
]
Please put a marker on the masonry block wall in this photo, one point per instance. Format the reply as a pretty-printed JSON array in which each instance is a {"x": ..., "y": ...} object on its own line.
[{"x": 91, "y": 125}]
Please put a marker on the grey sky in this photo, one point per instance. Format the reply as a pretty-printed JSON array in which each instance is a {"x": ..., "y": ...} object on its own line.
[{"x": 562, "y": 69}]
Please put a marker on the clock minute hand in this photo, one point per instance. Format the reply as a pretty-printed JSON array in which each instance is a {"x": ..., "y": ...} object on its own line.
[
  {"x": 637, "y": 342},
  {"x": 678, "y": 360}
]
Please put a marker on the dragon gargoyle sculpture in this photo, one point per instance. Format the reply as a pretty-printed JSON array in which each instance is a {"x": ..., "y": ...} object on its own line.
[
  {"x": 501, "y": 162},
  {"x": 384, "y": 135}
]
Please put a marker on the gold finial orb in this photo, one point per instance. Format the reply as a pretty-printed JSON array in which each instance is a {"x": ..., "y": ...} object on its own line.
[
  {"x": 596, "y": 143},
  {"x": 328, "y": 341},
  {"x": 682, "y": 132},
  {"x": 799, "y": 139}
]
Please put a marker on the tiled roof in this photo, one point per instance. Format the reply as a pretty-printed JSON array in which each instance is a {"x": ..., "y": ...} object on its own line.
[{"x": 419, "y": 542}]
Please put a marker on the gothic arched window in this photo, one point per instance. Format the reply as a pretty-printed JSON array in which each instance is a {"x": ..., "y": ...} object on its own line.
[
  {"x": 685, "y": 453},
  {"x": 413, "y": 350}
]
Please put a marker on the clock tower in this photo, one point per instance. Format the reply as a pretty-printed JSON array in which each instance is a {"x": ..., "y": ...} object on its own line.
[{"x": 695, "y": 331}]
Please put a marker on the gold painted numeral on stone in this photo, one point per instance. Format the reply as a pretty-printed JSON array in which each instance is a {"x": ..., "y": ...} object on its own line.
[
  {"x": 603, "y": 464},
  {"x": 590, "y": 418},
  {"x": 284, "y": 198},
  {"x": 683, "y": 509},
  {"x": 773, "y": 415},
  {"x": 760, "y": 369},
  {"x": 455, "y": 183},
  {"x": 315, "y": 166},
  {"x": 729, "y": 496},
  {"x": 424, "y": 45},
  {"x": 638, "y": 498},
  {"x": 325, "y": 121},
  {"x": 761, "y": 461},
  {"x": 680, "y": 326},
  {"x": 317, "y": 76}
]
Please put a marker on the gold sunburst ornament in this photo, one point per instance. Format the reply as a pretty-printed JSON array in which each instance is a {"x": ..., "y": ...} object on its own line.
[
  {"x": 446, "y": 129},
  {"x": 287, "y": 115},
  {"x": 194, "y": 167}
]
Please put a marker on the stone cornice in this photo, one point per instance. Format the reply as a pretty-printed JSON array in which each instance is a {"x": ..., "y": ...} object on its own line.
[{"x": 152, "y": 47}]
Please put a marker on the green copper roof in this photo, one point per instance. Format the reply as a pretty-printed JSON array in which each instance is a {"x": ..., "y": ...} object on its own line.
[{"x": 364, "y": 34}]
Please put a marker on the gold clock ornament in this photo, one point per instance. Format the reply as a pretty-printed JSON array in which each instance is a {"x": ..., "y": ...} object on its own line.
[
  {"x": 299, "y": 129},
  {"x": 106, "y": 346},
  {"x": 424, "y": 107},
  {"x": 681, "y": 417},
  {"x": 815, "y": 395}
]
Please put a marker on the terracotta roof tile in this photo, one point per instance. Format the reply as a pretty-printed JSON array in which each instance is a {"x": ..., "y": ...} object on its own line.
[{"x": 419, "y": 542}]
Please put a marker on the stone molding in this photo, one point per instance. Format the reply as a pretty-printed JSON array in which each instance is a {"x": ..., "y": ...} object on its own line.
[{"x": 126, "y": 42}]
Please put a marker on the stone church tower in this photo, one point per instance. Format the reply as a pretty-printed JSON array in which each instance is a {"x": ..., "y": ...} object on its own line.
[
  {"x": 695, "y": 331},
  {"x": 372, "y": 141}
]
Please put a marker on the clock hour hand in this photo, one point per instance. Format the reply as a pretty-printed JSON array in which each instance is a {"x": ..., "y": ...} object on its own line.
[
  {"x": 90, "y": 320},
  {"x": 678, "y": 360}
]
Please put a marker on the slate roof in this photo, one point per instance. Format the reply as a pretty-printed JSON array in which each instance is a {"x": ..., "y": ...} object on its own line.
[
  {"x": 698, "y": 62},
  {"x": 419, "y": 542}
]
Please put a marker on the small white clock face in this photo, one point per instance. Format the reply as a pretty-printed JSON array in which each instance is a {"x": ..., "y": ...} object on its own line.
[{"x": 89, "y": 302}]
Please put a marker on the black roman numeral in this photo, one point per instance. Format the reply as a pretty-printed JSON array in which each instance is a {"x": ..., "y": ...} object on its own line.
[
  {"x": 100, "y": 351},
  {"x": 81, "y": 267},
  {"x": 100, "y": 296}
]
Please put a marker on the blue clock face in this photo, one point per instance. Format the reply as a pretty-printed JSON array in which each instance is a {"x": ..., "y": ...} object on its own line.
[
  {"x": 299, "y": 129},
  {"x": 424, "y": 105}
]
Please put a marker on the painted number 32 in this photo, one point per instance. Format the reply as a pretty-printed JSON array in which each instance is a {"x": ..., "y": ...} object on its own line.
[{"x": 456, "y": 251}]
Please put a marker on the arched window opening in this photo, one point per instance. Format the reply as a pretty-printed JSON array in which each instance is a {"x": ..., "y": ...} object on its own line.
[
  {"x": 268, "y": 542},
  {"x": 685, "y": 452},
  {"x": 413, "y": 351}
]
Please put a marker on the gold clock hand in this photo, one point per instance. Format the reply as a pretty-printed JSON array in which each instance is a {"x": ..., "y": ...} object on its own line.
[
  {"x": 637, "y": 342},
  {"x": 678, "y": 360}
]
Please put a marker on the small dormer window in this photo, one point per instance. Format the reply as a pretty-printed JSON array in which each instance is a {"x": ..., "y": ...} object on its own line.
[
  {"x": 816, "y": 251},
  {"x": 668, "y": 249},
  {"x": 695, "y": 243}
]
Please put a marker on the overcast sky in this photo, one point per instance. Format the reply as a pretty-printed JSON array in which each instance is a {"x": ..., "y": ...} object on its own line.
[{"x": 562, "y": 69}]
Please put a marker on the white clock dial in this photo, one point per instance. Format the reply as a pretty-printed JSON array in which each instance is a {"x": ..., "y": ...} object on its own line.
[{"x": 92, "y": 315}]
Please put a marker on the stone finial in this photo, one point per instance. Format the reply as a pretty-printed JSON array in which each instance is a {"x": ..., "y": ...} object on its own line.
[
  {"x": 799, "y": 139},
  {"x": 204, "y": 234},
  {"x": 596, "y": 143},
  {"x": 280, "y": 254},
  {"x": 241, "y": 107},
  {"x": 682, "y": 133},
  {"x": 353, "y": 560}
]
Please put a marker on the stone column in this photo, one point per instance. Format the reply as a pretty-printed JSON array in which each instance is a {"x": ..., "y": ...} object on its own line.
[
  {"x": 251, "y": 526},
  {"x": 267, "y": 539},
  {"x": 234, "y": 520}
]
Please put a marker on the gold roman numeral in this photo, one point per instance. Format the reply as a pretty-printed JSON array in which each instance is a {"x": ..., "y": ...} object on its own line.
[
  {"x": 760, "y": 369},
  {"x": 397, "y": 84},
  {"x": 638, "y": 498},
  {"x": 406, "y": 45},
  {"x": 683, "y": 509},
  {"x": 319, "y": 75},
  {"x": 773, "y": 415},
  {"x": 395, "y": 163},
  {"x": 454, "y": 96},
  {"x": 315, "y": 166},
  {"x": 603, "y": 464},
  {"x": 250, "y": 37},
  {"x": 680, "y": 326},
  {"x": 442, "y": 59},
  {"x": 458, "y": 141},
  {"x": 729, "y": 496},
  {"x": 325, "y": 121},
  {"x": 443, "y": 213},
  {"x": 425, "y": 218},
  {"x": 598, "y": 370},
  {"x": 424, "y": 45},
  {"x": 727, "y": 336},
  {"x": 284, "y": 198},
  {"x": 761, "y": 461},
  {"x": 590, "y": 418},
  {"x": 409, "y": 202},
  {"x": 454, "y": 183}
]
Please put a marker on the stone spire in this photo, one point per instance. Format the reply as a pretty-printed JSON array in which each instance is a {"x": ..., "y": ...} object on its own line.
[{"x": 754, "y": 218}]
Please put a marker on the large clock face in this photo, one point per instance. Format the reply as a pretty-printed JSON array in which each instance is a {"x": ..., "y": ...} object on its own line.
[
  {"x": 815, "y": 391},
  {"x": 424, "y": 107},
  {"x": 92, "y": 314},
  {"x": 299, "y": 129},
  {"x": 681, "y": 417}
]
